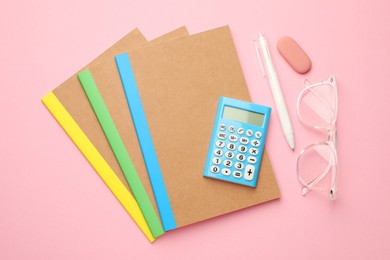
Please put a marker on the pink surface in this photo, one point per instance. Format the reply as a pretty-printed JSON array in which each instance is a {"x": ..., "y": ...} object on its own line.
[{"x": 54, "y": 206}]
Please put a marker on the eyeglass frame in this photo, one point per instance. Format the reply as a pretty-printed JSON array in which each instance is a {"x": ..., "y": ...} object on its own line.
[{"x": 331, "y": 141}]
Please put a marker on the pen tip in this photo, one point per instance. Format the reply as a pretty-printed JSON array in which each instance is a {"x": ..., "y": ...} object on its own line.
[{"x": 290, "y": 140}]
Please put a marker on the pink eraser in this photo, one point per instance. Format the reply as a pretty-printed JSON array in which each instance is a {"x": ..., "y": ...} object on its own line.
[{"x": 294, "y": 54}]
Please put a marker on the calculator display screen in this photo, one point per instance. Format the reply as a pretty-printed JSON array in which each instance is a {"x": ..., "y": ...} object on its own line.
[{"x": 243, "y": 116}]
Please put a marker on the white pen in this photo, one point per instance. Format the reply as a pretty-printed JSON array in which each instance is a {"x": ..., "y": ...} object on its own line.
[{"x": 277, "y": 94}]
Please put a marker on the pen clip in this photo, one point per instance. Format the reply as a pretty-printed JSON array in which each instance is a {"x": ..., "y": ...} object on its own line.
[{"x": 256, "y": 43}]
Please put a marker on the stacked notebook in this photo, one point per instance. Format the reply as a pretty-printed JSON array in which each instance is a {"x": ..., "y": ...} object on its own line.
[{"x": 142, "y": 114}]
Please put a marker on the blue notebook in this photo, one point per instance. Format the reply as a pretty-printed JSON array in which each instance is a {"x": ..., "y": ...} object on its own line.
[{"x": 179, "y": 83}]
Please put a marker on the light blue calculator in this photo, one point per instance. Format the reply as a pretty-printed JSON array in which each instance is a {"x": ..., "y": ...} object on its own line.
[{"x": 237, "y": 142}]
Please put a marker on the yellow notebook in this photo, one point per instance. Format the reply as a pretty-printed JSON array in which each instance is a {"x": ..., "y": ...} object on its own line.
[{"x": 70, "y": 106}]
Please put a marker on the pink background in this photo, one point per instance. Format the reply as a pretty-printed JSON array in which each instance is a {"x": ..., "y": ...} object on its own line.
[{"x": 54, "y": 206}]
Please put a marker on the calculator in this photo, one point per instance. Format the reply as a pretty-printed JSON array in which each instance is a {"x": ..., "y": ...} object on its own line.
[{"x": 237, "y": 142}]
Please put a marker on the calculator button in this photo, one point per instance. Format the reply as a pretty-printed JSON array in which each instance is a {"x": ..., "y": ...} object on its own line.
[
  {"x": 249, "y": 172},
  {"x": 216, "y": 160},
  {"x": 249, "y": 132},
  {"x": 228, "y": 163},
  {"x": 221, "y": 135},
  {"x": 231, "y": 129},
  {"x": 222, "y": 127},
  {"x": 258, "y": 134},
  {"x": 237, "y": 174},
  {"x": 233, "y": 138},
  {"x": 242, "y": 148},
  {"x": 240, "y": 130},
  {"x": 255, "y": 143},
  {"x": 252, "y": 159},
  {"x": 225, "y": 171},
  {"x": 239, "y": 165},
  {"x": 214, "y": 169},
  {"x": 231, "y": 146},
  {"x": 244, "y": 140},
  {"x": 240, "y": 157},
  {"x": 229, "y": 155},
  {"x": 220, "y": 144},
  {"x": 253, "y": 151},
  {"x": 218, "y": 152}
]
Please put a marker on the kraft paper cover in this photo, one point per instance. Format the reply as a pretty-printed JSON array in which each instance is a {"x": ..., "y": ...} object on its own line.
[{"x": 180, "y": 83}]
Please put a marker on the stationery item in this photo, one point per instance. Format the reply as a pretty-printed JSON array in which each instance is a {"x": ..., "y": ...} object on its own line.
[
  {"x": 120, "y": 152},
  {"x": 281, "y": 108},
  {"x": 295, "y": 56},
  {"x": 179, "y": 83},
  {"x": 97, "y": 161},
  {"x": 237, "y": 142},
  {"x": 72, "y": 99},
  {"x": 317, "y": 164},
  {"x": 145, "y": 140}
]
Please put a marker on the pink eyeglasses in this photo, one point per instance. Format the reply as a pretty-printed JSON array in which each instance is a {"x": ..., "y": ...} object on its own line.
[{"x": 317, "y": 164}]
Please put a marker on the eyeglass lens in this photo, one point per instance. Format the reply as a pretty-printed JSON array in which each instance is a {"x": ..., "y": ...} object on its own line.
[
  {"x": 318, "y": 105},
  {"x": 315, "y": 166}
]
